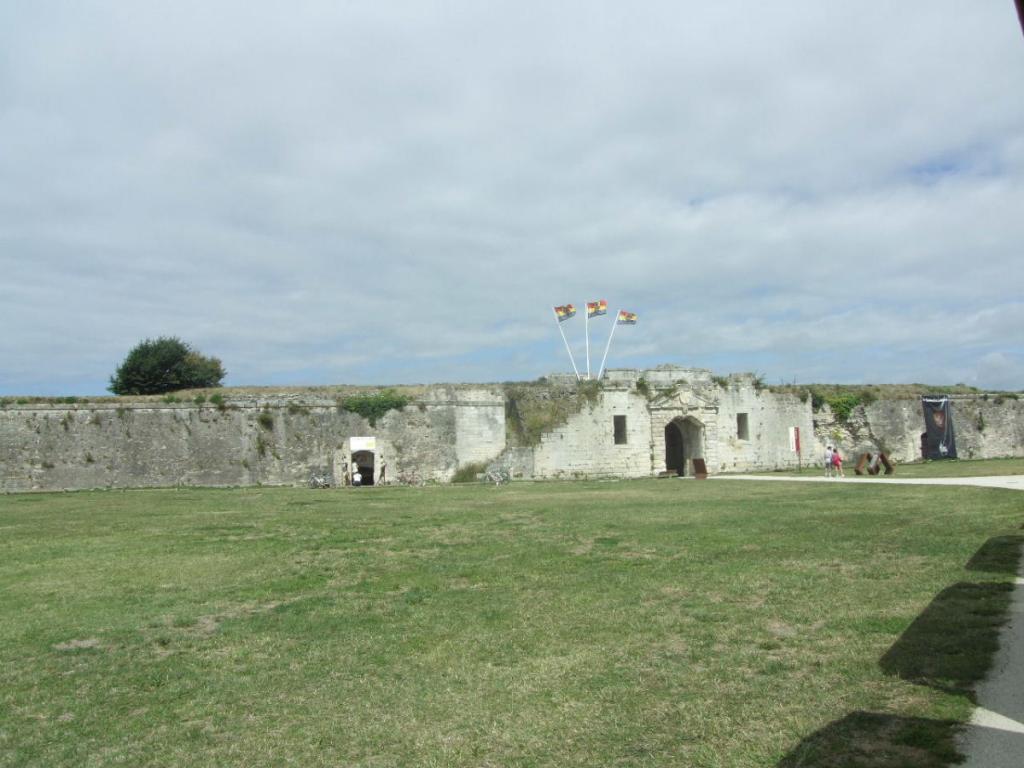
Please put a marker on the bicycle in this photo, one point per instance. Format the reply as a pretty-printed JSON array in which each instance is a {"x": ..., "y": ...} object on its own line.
[
  {"x": 319, "y": 481},
  {"x": 499, "y": 476},
  {"x": 411, "y": 478}
]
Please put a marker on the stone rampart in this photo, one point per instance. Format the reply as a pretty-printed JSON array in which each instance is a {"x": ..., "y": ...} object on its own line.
[
  {"x": 244, "y": 441},
  {"x": 634, "y": 424}
]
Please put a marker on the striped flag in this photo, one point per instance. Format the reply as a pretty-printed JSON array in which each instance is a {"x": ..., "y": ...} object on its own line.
[
  {"x": 595, "y": 308},
  {"x": 565, "y": 312},
  {"x": 626, "y": 318}
]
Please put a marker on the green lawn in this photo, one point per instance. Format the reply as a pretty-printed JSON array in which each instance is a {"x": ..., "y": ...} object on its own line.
[{"x": 646, "y": 623}]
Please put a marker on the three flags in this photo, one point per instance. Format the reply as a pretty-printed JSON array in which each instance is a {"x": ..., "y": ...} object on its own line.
[{"x": 594, "y": 309}]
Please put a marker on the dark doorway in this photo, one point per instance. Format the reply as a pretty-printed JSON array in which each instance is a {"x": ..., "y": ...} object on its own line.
[
  {"x": 364, "y": 461},
  {"x": 675, "y": 460},
  {"x": 684, "y": 441}
]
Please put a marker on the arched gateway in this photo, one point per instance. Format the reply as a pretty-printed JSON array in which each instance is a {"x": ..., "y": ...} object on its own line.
[
  {"x": 684, "y": 441},
  {"x": 363, "y": 461}
]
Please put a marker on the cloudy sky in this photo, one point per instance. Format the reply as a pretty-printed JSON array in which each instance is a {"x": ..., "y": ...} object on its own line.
[{"x": 398, "y": 191}]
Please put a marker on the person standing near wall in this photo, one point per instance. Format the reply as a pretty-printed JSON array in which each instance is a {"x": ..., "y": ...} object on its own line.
[
  {"x": 837, "y": 462},
  {"x": 383, "y": 470},
  {"x": 828, "y": 461}
]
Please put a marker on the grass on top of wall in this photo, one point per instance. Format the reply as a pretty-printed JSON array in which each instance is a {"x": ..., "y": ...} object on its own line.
[{"x": 641, "y": 623}]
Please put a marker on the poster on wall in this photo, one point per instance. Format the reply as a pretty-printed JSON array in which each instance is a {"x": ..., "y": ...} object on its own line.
[{"x": 939, "y": 440}]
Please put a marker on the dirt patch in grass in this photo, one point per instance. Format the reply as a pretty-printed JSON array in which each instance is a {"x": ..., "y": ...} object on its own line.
[{"x": 77, "y": 645}]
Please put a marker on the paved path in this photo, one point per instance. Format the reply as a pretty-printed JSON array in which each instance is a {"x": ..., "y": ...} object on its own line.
[
  {"x": 1015, "y": 482},
  {"x": 994, "y": 737}
]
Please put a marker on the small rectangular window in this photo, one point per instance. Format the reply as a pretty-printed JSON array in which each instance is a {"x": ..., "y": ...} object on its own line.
[
  {"x": 620, "y": 429},
  {"x": 742, "y": 427}
]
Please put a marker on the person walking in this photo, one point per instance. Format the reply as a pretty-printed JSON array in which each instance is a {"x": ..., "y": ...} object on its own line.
[
  {"x": 828, "y": 461},
  {"x": 837, "y": 462}
]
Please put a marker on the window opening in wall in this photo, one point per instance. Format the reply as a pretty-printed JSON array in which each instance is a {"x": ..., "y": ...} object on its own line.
[
  {"x": 619, "y": 423},
  {"x": 742, "y": 426}
]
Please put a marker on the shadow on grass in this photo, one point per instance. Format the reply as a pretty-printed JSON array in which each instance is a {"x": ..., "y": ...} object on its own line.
[
  {"x": 1000, "y": 554},
  {"x": 949, "y": 647},
  {"x": 871, "y": 740}
]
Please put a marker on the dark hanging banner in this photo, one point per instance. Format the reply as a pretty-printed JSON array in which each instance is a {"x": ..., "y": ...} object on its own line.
[{"x": 940, "y": 442}]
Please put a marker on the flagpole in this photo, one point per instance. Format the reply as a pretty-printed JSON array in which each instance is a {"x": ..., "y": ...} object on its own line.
[
  {"x": 615, "y": 324},
  {"x": 571, "y": 360},
  {"x": 586, "y": 326}
]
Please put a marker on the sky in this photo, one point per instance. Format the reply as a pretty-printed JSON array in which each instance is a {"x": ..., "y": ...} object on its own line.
[{"x": 396, "y": 192}]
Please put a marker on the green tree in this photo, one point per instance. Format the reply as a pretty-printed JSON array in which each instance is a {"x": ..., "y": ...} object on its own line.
[{"x": 162, "y": 365}]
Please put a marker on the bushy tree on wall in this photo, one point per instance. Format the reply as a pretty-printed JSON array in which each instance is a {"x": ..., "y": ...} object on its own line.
[{"x": 165, "y": 364}]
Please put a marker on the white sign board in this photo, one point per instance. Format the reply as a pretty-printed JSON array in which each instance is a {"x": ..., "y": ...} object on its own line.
[
  {"x": 794, "y": 439},
  {"x": 363, "y": 444}
]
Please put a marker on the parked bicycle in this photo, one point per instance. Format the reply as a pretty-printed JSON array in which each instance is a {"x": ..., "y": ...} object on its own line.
[
  {"x": 319, "y": 481},
  {"x": 411, "y": 477},
  {"x": 499, "y": 476}
]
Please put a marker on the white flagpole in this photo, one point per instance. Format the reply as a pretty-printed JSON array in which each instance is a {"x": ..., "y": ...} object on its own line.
[
  {"x": 615, "y": 325},
  {"x": 571, "y": 360},
  {"x": 586, "y": 326}
]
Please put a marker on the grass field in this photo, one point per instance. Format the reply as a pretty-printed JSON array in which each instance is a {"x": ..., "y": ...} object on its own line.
[{"x": 646, "y": 623}]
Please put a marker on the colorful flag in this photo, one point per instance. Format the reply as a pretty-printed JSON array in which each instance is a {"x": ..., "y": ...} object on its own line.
[
  {"x": 626, "y": 318},
  {"x": 595, "y": 308},
  {"x": 564, "y": 313}
]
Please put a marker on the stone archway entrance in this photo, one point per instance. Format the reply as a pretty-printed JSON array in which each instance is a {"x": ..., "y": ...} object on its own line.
[
  {"x": 364, "y": 460},
  {"x": 684, "y": 440}
]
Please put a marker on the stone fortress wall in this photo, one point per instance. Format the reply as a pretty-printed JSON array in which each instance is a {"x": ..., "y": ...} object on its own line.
[
  {"x": 986, "y": 426},
  {"x": 636, "y": 424},
  {"x": 272, "y": 440}
]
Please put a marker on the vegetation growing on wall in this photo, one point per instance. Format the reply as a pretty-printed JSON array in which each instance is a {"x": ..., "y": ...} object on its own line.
[
  {"x": 531, "y": 409},
  {"x": 468, "y": 473},
  {"x": 880, "y": 391},
  {"x": 842, "y": 399},
  {"x": 374, "y": 405},
  {"x": 265, "y": 419}
]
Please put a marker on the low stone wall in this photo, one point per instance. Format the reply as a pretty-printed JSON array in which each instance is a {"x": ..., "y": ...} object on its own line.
[{"x": 247, "y": 441}]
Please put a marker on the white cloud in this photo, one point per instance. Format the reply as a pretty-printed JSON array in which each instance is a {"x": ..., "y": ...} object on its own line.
[{"x": 341, "y": 192}]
